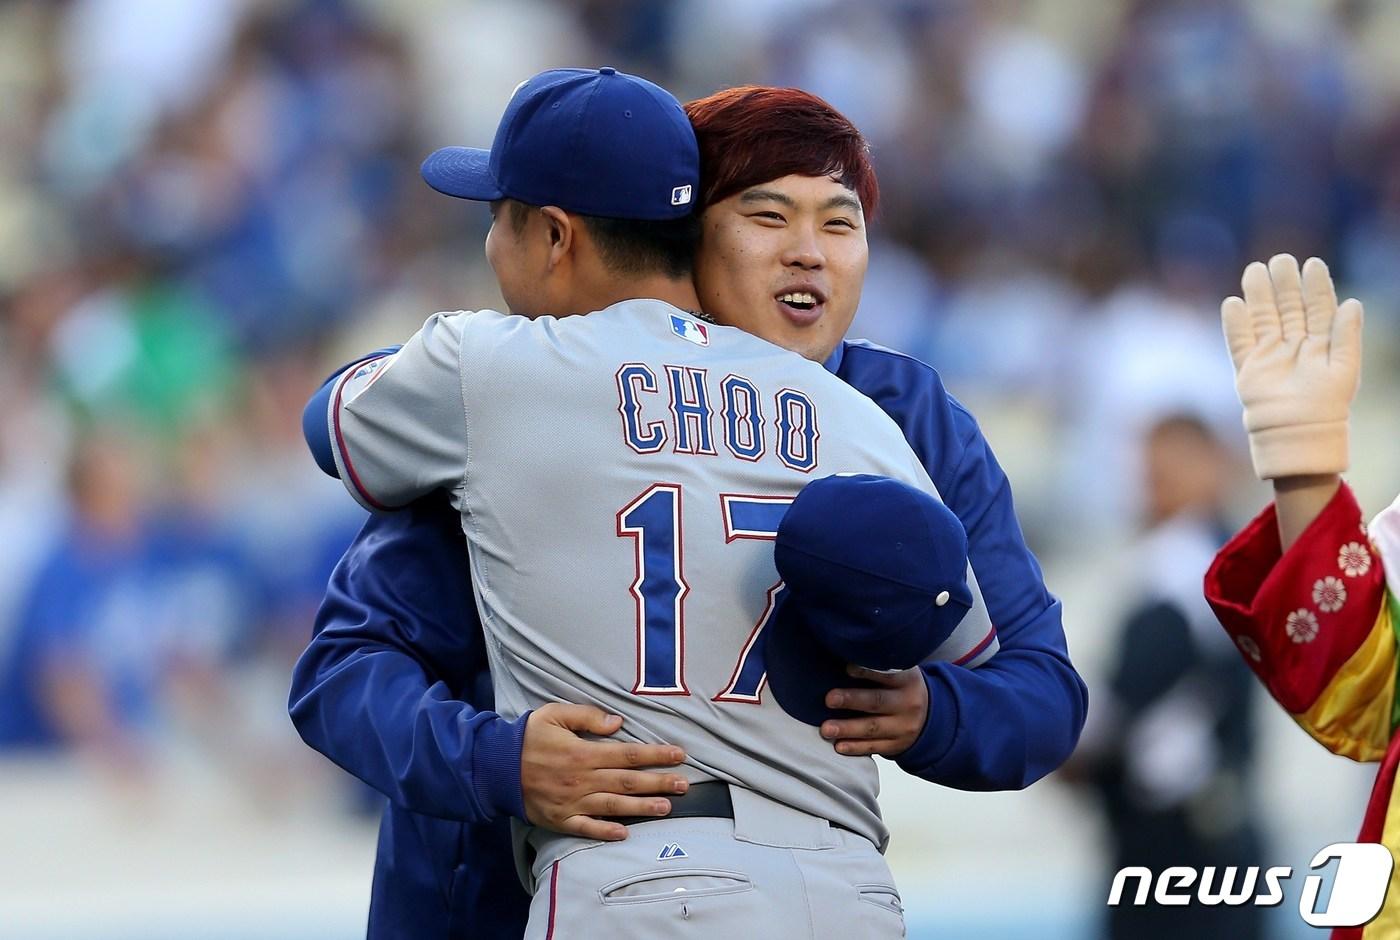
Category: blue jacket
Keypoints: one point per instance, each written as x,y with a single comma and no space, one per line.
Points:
394,685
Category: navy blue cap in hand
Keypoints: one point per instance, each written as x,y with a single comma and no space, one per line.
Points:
601,143
876,576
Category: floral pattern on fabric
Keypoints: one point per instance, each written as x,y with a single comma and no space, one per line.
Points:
1354,560
1329,594
1301,626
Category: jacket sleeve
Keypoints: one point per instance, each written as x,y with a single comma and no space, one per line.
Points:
1315,623
1012,720
386,686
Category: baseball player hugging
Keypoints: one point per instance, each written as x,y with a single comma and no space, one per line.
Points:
620,507
623,479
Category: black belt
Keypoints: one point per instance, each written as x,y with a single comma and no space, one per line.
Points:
710,798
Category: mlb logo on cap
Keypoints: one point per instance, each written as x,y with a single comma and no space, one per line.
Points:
686,328
680,196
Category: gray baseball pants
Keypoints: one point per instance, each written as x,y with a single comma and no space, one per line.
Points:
769,872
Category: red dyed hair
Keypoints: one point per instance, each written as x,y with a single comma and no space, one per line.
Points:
754,134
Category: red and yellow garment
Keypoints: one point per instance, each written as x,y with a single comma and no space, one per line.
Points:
1318,627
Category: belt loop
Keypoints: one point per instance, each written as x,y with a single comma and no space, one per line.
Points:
762,821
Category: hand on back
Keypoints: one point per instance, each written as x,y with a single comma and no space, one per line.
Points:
571,783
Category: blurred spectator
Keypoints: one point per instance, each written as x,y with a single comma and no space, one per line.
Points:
1170,750
70,679
130,601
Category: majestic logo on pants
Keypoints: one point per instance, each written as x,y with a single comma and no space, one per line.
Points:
671,851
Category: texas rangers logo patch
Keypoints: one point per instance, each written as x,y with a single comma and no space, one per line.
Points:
366,375
688,329
368,369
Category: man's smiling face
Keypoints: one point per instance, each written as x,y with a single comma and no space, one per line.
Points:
785,260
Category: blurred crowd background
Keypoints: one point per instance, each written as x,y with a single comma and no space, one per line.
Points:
205,207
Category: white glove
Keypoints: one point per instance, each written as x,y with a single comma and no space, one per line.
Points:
1297,365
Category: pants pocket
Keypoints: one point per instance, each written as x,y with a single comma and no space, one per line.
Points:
884,897
674,883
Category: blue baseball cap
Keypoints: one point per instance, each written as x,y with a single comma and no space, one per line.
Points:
876,576
596,142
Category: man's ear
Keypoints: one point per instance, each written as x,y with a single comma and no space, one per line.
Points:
561,233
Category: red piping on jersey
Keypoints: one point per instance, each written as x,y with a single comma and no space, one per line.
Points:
553,898
977,650
340,438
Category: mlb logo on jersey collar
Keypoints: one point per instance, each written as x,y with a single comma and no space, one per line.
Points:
686,328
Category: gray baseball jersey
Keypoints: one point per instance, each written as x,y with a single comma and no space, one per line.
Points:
620,477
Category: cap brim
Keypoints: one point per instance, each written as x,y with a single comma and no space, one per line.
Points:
800,670
464,172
